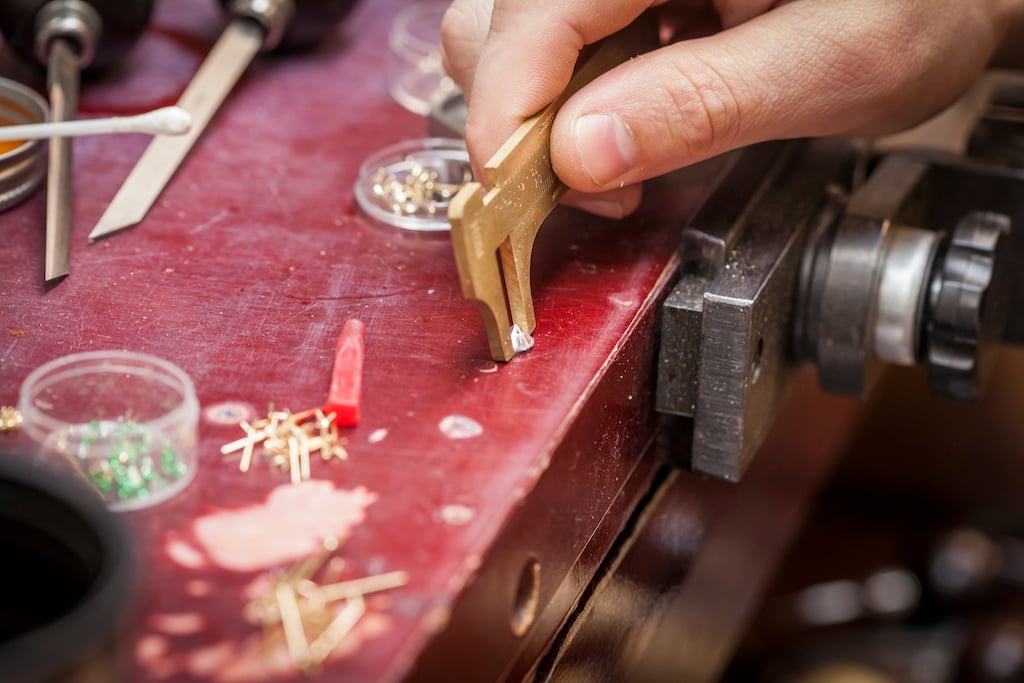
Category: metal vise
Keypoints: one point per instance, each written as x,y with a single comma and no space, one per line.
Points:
790,262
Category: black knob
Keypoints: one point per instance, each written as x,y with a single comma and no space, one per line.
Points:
313,20
121,24
969,299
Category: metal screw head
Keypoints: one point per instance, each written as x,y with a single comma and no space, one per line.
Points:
272,15
73,20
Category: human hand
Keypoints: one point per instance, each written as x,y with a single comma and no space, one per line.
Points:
766,69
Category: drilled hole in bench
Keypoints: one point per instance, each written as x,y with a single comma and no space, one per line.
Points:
524,611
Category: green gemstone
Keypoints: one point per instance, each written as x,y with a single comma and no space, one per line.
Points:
170,464
101,482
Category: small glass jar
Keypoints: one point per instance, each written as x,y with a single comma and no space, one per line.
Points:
125,422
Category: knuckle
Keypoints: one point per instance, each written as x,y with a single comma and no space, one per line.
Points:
464,26
457,24
706,106
463,30
452,24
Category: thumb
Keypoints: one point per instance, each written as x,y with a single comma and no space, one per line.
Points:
806,68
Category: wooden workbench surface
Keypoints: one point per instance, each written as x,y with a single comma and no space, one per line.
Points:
243,275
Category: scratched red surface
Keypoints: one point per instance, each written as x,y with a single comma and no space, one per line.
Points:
244,273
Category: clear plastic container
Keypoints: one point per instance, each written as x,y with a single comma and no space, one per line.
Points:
125,422
417,75
409,185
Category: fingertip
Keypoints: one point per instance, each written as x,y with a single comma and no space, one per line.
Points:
616,204
631,199
603,208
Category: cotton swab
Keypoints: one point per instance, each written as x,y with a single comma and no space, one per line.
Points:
163,121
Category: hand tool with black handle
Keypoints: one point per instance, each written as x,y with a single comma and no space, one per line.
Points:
69,36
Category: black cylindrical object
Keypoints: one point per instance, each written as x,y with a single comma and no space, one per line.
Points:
121,25
68,571
311,22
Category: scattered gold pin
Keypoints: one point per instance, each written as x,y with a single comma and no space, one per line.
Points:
286,440
315,617
10,418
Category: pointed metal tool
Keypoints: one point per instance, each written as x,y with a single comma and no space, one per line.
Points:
66,36
63,83
259,25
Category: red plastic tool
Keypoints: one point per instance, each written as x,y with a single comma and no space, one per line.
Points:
347,376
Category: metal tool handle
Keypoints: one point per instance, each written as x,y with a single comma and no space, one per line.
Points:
309,24
63,84
121,23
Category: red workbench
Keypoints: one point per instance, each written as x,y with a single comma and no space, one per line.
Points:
243,275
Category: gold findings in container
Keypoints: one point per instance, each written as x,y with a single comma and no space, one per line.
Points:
417,190
288,441
408,185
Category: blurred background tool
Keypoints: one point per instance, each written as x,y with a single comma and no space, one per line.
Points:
257,25
68,36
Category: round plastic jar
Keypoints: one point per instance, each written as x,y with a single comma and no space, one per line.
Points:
409,185
125,422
